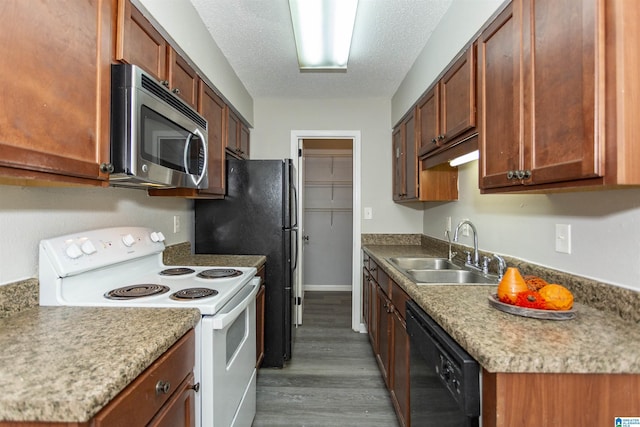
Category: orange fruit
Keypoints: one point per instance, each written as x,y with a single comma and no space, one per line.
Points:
556,297
511,284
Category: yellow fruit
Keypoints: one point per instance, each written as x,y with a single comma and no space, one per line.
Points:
556,297
511,284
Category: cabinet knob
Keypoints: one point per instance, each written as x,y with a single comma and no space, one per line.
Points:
434,140
527,174
176,91
510,174
441,137
196,387
106,167
519,174
165,83
163,387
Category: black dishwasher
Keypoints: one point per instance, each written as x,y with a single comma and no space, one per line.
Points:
445,379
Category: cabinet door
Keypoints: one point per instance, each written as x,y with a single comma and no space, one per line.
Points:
429,121
398,163
410,158
54,114
458,97
244,140
560,39
183,80
500,112
233,133
137,42
384,334
213,109
400,386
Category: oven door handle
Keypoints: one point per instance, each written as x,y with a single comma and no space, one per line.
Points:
236,305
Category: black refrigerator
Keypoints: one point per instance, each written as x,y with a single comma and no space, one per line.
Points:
258,216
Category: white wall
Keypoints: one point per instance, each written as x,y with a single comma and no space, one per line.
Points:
270,139
29,214
457,27
605,227
181,21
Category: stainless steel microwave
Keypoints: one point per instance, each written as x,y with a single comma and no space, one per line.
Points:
157,140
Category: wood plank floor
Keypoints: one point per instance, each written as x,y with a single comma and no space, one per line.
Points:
332,380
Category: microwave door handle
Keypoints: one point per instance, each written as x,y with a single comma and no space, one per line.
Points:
206,156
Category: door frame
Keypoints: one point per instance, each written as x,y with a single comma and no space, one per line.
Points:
356,290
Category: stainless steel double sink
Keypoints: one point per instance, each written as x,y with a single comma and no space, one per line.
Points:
430,271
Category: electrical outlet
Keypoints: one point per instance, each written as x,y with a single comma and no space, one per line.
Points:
176,223
563,238
465,228
447,224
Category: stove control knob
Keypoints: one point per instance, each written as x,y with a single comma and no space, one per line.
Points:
73,251
154,237
88,247
128,240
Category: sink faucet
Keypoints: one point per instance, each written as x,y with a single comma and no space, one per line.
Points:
476,256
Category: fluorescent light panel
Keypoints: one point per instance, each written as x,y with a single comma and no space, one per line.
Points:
465,158
322,31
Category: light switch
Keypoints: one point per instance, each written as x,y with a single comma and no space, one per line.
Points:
563,238
368,213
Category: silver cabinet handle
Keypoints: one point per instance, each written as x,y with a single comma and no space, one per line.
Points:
176,91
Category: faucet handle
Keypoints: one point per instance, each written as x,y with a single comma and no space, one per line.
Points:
485,264
468,256
502,265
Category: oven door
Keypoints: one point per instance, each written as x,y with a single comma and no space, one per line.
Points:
228,361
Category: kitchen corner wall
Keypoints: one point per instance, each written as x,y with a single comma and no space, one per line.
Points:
605,227
275,118
29,214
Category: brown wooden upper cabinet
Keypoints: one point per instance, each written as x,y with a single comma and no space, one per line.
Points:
405,160
139,43
558,95
446,114
54,114
237,141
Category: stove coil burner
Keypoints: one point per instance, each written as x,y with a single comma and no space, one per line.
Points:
177,271
136,291
219,273
193,293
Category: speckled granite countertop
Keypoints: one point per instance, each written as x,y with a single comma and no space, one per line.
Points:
594,342
180,254
66,363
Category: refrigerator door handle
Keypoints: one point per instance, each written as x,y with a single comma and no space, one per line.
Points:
295,205
295,258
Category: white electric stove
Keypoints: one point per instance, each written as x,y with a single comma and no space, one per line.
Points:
122,267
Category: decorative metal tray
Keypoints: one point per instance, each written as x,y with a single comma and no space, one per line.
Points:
531,312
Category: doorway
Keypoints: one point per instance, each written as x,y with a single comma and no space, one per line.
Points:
328,151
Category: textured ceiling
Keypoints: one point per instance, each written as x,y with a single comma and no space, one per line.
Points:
256,36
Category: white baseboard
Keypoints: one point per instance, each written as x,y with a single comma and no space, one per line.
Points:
329,288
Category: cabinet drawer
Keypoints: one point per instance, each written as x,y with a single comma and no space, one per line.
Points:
140,401
399,298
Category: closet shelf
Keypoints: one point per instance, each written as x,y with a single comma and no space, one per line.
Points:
328,209
328,184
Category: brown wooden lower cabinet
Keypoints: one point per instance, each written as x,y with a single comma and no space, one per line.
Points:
385,317
534,400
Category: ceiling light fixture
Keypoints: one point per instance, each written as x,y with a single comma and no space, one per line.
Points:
322,31
466,158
